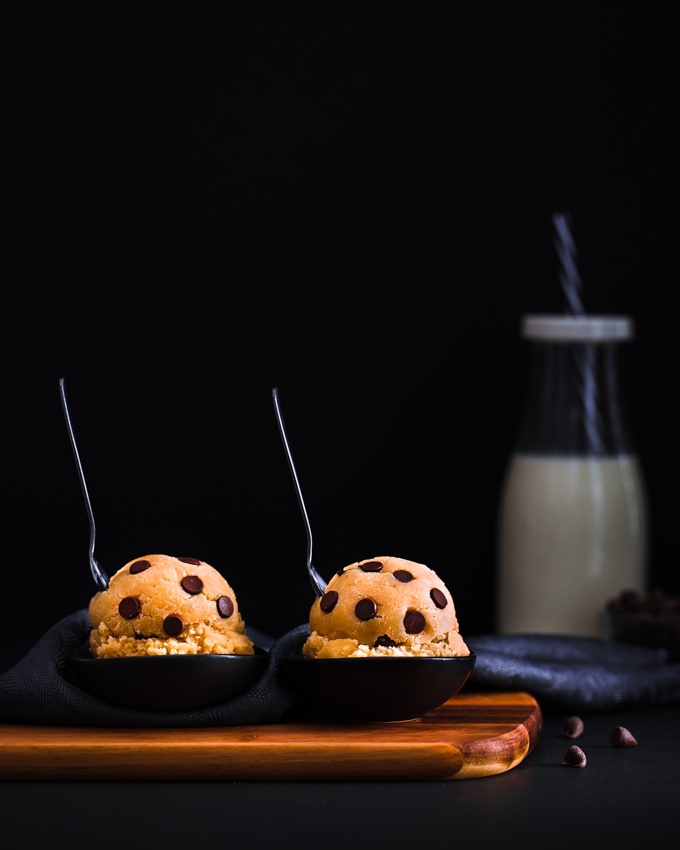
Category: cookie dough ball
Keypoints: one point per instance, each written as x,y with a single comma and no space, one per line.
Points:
158,605
384,607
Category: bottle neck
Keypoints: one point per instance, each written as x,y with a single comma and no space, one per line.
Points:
573,406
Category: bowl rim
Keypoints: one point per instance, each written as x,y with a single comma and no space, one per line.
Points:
81,655
299,657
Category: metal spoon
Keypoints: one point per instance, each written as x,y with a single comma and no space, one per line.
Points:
98,574
318,584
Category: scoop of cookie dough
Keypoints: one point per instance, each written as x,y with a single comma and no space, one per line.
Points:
384,607
158,605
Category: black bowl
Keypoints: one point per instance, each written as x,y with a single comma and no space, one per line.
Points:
377,689
166,682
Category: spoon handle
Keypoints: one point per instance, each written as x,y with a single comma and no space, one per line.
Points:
98,574
318,584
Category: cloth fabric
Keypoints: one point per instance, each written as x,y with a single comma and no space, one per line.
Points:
575,673
38,690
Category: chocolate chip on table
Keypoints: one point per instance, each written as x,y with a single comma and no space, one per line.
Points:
129,607
193,561
403,576
438,598
414,622
575,756
139,566
225,606
173,625
328,601
621,737
384,640
573,727
371,566
366,609
192,584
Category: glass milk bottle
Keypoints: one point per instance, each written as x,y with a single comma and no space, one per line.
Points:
573,515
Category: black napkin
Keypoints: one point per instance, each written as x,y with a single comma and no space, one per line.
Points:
575,673
37,690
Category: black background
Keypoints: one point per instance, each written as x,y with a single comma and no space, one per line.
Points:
350,202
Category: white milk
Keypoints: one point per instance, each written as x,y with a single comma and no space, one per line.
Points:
573,532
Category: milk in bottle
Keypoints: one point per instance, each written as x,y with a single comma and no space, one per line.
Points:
573,515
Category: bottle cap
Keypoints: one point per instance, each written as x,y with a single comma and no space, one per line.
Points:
577,328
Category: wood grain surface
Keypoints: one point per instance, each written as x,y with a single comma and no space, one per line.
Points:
472,735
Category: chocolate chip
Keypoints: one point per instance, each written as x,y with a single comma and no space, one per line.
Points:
139,566
328,601
366,609
129,607
653,602
173,625
621,737
192,584
575,756
193,561
438,598
340,572
573,727
414,622
225,607
384,640
371,566
629,599
403,575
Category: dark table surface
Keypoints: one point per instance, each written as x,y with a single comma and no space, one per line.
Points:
622,795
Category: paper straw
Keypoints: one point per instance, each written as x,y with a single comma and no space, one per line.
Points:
584,355
568,271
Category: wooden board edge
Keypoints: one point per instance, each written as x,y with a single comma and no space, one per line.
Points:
244,762
509,749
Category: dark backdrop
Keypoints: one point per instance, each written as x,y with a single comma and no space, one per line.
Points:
350,202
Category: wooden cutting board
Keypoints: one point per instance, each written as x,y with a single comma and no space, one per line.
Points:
472,735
